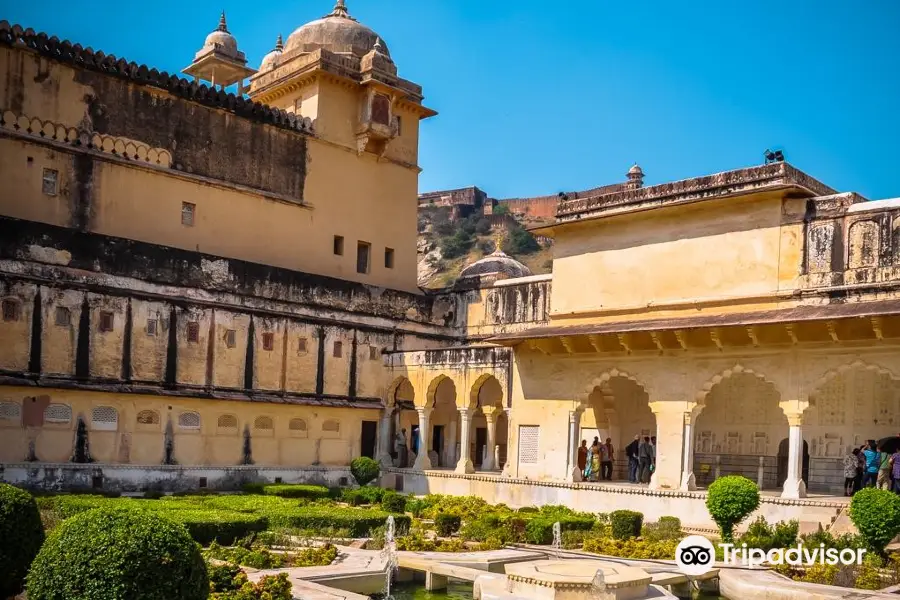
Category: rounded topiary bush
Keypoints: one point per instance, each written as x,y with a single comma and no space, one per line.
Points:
447,524
729,501
876,513
364,470
109,554
393,502
21,536
626,524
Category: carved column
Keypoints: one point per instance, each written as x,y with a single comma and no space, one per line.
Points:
794,486
670,439
572,471
688,481
465,463
422,461
384,437
507,467
490,416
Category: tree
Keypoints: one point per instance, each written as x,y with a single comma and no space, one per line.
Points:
729,501
520,241
876,513
364,470
501,209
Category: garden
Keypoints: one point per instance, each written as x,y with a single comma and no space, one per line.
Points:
69,545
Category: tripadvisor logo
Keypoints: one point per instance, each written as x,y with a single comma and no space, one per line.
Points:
695,555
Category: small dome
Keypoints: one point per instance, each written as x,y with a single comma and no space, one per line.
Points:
221,40
270,60
635,170
337,32
497,263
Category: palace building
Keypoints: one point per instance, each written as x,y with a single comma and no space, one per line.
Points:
201,287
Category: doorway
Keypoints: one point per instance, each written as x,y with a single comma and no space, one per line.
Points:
437,442
368,438
480,444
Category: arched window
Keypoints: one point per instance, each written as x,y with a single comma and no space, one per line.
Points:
189,420
58,413
297,425
227,422
263,424
104,418
148,417
10,413
331,425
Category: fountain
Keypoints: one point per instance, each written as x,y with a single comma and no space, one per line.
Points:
557,539
389,552
598,586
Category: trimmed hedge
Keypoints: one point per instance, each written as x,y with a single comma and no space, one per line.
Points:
310,492
729,501
364,470
540,530
21,536
876,513
626,524
368,494
207,526
446,524
110,554
393,502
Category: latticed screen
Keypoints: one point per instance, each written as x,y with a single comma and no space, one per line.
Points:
58,413
264,423
297,425
528,444
227,422
189,420
10,411
331,425
148,417
104,417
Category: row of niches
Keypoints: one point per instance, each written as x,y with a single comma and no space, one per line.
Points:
871,242
831,444
107,418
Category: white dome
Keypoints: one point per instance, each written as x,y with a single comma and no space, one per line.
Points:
337,32
496,263
270,60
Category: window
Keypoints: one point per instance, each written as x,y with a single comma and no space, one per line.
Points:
63,316
10,411
373,353
339,245
50,182
331,425
193,332
227,422
268,341
338,350
301,346
263,424
187,214
106,321
10,310
381,109
528,444
297,425
399,125
104,418
57,413
152,324
189,420
148,417
388,258
362,257
231,338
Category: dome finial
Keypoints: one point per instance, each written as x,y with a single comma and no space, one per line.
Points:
279,44
378,47
222,25
340,10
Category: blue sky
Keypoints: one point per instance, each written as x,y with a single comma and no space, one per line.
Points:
537,97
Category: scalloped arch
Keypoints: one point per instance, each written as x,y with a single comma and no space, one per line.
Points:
605,378
476,389
391,399
844,368
432,389
727,373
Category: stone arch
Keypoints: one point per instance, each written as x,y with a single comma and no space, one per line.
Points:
444,434
400,389
486,391
604,379
741,422
432,390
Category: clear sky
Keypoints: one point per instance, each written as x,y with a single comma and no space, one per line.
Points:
536,97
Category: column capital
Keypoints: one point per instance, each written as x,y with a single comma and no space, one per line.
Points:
465,413
424,410
794,411
574,416
491,413
673,406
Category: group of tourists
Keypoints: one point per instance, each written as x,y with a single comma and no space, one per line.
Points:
872,465
596,462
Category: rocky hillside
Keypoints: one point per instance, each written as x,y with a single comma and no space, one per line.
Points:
446,246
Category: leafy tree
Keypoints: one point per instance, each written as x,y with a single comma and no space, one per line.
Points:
501,209
519,241
364,470
876,513
729,501
483,226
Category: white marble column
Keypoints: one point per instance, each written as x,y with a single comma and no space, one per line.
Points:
794,487
507,466
384,438
670,435
465,463
688,481
422,460
572,471
490,416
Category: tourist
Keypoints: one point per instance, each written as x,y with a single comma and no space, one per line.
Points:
884,470
400,448
604,460
610,457
870,477
653,457
582,457
860,468
895,462
645,460
631,451
851,463
595,460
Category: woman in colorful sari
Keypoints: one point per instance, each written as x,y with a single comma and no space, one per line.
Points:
595,461
587,468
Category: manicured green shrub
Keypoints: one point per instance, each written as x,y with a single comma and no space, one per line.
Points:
447,524
367,494
467,507
269,587
765,537
625,524
153,495
207,526
393,502
539,530
416,506
729,501
364,470
358,522
667,528
528,509
112,554
221,577
311,492
876,514
631,548
253,488
21,536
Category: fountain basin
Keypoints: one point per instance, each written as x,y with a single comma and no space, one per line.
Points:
573,580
